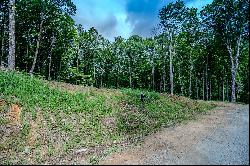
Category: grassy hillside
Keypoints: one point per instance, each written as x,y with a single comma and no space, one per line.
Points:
66,124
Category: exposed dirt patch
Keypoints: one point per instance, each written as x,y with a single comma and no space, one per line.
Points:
67,87
109,123
14,114
81,88
2,102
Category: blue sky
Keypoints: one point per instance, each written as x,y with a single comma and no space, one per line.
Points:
124,18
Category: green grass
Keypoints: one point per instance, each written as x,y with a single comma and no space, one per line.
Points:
67,120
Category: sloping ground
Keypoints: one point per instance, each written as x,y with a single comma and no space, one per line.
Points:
45,122
218,138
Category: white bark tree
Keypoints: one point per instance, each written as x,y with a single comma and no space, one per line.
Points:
12,45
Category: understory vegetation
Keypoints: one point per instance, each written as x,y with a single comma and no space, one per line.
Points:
58,119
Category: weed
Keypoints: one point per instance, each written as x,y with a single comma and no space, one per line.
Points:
84,117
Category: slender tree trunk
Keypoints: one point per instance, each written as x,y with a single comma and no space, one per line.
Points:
101,80
210,89
27,55
117,84
130,77
153,77
117,81
94,75
236,90
190,84
218,84
181,82
2,52
2,42
203,86
160,85
197,89
171,71
234,66
223,86
164,77
223,96
50,56
60,67
206,80
227,88
77,59
12,45
190,79
233,97
37,45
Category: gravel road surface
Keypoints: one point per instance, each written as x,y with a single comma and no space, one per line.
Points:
220,137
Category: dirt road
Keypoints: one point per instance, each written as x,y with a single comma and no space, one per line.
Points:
220,137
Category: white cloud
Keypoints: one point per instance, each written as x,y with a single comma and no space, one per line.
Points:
124,28
97,13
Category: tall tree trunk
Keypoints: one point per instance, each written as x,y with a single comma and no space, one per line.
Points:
190,84
233,97
236,90
153,70
27,55
50,56
37,45
130,77
203,85
60,69
94,74
210,89
223,96
12,45
153,74
164,77
181,82
77,59
2,42
160,84
223,86
117,84
101,80
117,81
227,88
190,78
218,84
171,71
234,65
197,89
2,52
153,77
207,80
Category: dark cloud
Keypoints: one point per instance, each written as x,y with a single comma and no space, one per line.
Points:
108,26
143,15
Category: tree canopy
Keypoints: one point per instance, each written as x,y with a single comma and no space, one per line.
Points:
203,55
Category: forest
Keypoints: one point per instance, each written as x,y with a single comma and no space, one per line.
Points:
202,55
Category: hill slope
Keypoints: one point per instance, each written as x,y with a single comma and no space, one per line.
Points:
45,122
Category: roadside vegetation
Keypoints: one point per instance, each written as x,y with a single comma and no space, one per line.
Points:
61,123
